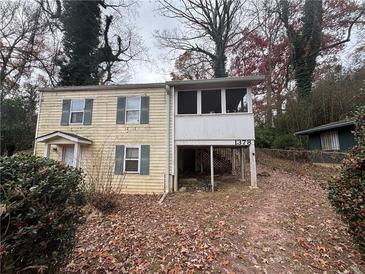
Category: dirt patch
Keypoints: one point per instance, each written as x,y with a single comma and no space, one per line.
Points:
287,225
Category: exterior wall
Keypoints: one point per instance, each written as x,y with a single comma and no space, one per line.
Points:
213,129
98,159
314,141
210,127
346,138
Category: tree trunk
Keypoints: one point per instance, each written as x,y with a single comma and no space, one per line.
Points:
304,77
219,62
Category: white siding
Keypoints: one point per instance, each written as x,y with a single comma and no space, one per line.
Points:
214,127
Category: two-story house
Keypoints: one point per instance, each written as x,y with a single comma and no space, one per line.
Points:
135,134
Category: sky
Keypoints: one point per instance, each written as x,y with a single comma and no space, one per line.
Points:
161,60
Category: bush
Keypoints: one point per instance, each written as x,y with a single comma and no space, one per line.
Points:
264,137
287,141
105,202
347,193
41,202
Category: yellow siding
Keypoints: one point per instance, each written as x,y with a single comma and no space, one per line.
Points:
98,158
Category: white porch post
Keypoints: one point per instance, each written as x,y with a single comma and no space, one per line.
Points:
242,163
201,160
47,150
211,168
176,184
253,165
233,161
77,155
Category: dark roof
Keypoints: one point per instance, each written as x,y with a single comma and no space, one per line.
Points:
106,87
338,124
223,82
205,83
66,133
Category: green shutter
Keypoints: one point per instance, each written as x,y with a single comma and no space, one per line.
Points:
145,109
119,159
121,110
145,160
65,117
88,111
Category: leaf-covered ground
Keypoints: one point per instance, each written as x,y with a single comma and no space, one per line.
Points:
286,226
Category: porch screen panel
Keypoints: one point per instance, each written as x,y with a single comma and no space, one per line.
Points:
187,102
211,101
236,100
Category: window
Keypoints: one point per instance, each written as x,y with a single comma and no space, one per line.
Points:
133,108
186,102
211,101
77,111
329,141
131,159
236,100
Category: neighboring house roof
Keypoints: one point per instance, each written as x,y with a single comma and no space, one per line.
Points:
69,136
338,124
208,83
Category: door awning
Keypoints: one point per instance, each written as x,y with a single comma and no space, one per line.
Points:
61,137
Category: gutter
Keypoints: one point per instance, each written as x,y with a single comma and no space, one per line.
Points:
167,168
37,126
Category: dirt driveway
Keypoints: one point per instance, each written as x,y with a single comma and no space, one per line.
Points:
286,226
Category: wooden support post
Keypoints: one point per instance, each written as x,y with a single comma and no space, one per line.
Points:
253,165
76,158
47,150
176,185
242,154
211,168
201,161
233,161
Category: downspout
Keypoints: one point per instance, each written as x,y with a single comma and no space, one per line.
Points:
167,168
37,126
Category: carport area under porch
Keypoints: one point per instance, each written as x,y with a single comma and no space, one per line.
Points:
231,165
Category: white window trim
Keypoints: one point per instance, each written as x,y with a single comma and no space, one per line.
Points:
126,110
125,158
83,113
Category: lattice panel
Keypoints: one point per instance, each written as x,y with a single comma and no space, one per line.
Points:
222,160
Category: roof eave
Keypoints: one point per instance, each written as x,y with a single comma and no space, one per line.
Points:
230,81
104,87
324,128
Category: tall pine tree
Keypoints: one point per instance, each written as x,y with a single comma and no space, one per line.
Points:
81,22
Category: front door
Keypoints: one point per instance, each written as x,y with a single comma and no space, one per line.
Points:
68,155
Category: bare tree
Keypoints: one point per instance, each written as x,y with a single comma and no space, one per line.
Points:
192,66
24,44
212,28
115,54
119,42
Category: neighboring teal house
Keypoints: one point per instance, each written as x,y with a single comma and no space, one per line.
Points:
336,136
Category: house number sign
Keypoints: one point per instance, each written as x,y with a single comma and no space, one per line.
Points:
242,142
